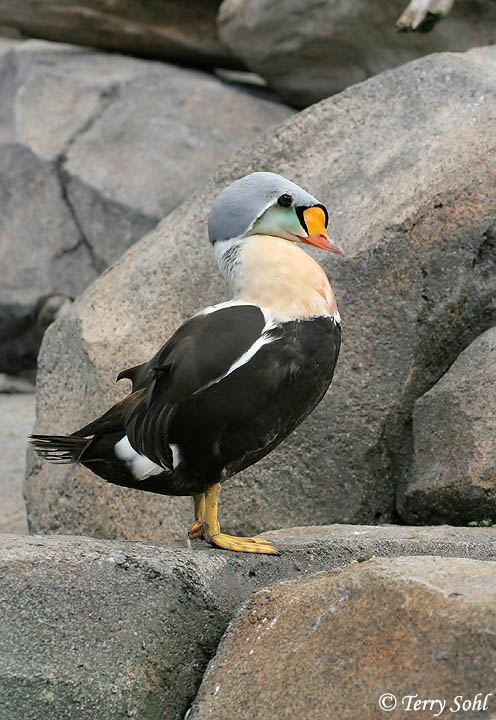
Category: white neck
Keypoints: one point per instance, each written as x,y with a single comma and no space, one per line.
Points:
277,275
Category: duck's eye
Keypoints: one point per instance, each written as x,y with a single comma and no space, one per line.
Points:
285,200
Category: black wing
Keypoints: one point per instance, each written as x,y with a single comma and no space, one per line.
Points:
235,422
202,349
199,353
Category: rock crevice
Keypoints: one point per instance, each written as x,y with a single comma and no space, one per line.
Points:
96,263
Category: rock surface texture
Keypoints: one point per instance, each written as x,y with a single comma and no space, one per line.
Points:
411,199
16,422
453,474
178,30
334,644
108,629
309,50
95,149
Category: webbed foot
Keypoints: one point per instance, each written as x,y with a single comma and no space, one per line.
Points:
241,544
207,526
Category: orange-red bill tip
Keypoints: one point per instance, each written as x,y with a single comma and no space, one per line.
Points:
316,223
323,241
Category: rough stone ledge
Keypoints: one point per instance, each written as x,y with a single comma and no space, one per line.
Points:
126,629
386,540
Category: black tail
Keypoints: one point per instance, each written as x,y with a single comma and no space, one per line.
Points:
107,429
60,448
97,453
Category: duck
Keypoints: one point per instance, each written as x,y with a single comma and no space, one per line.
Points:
236,378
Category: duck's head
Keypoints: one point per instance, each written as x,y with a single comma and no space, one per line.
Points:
255,226
264,203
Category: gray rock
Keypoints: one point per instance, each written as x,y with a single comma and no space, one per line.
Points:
95,149
339,545
21,332
41,251
14,384
411,200
403,629
16,422
309,50
107,629
152,144
453,474
178,30
8,36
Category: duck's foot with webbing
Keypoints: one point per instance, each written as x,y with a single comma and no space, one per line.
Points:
206,525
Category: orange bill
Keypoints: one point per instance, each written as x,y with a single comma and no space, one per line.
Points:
315,220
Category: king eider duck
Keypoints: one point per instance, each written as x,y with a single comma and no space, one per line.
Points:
236,378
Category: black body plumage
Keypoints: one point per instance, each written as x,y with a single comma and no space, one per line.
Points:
222,411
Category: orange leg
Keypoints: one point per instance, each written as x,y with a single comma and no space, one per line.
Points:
212,533
196,530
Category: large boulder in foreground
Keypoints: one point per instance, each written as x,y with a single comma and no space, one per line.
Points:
177,30
94,150
371,638
453,474
102,629
309,49
411,199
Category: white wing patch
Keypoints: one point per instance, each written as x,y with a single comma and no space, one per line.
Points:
141,466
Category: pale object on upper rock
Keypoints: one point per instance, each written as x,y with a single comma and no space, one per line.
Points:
418,11
308,49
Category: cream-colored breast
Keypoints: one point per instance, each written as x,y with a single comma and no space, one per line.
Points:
282,278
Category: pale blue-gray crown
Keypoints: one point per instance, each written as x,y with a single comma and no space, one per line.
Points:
240,204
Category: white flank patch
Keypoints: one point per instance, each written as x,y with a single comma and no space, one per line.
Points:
176,455
141,466
337,317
